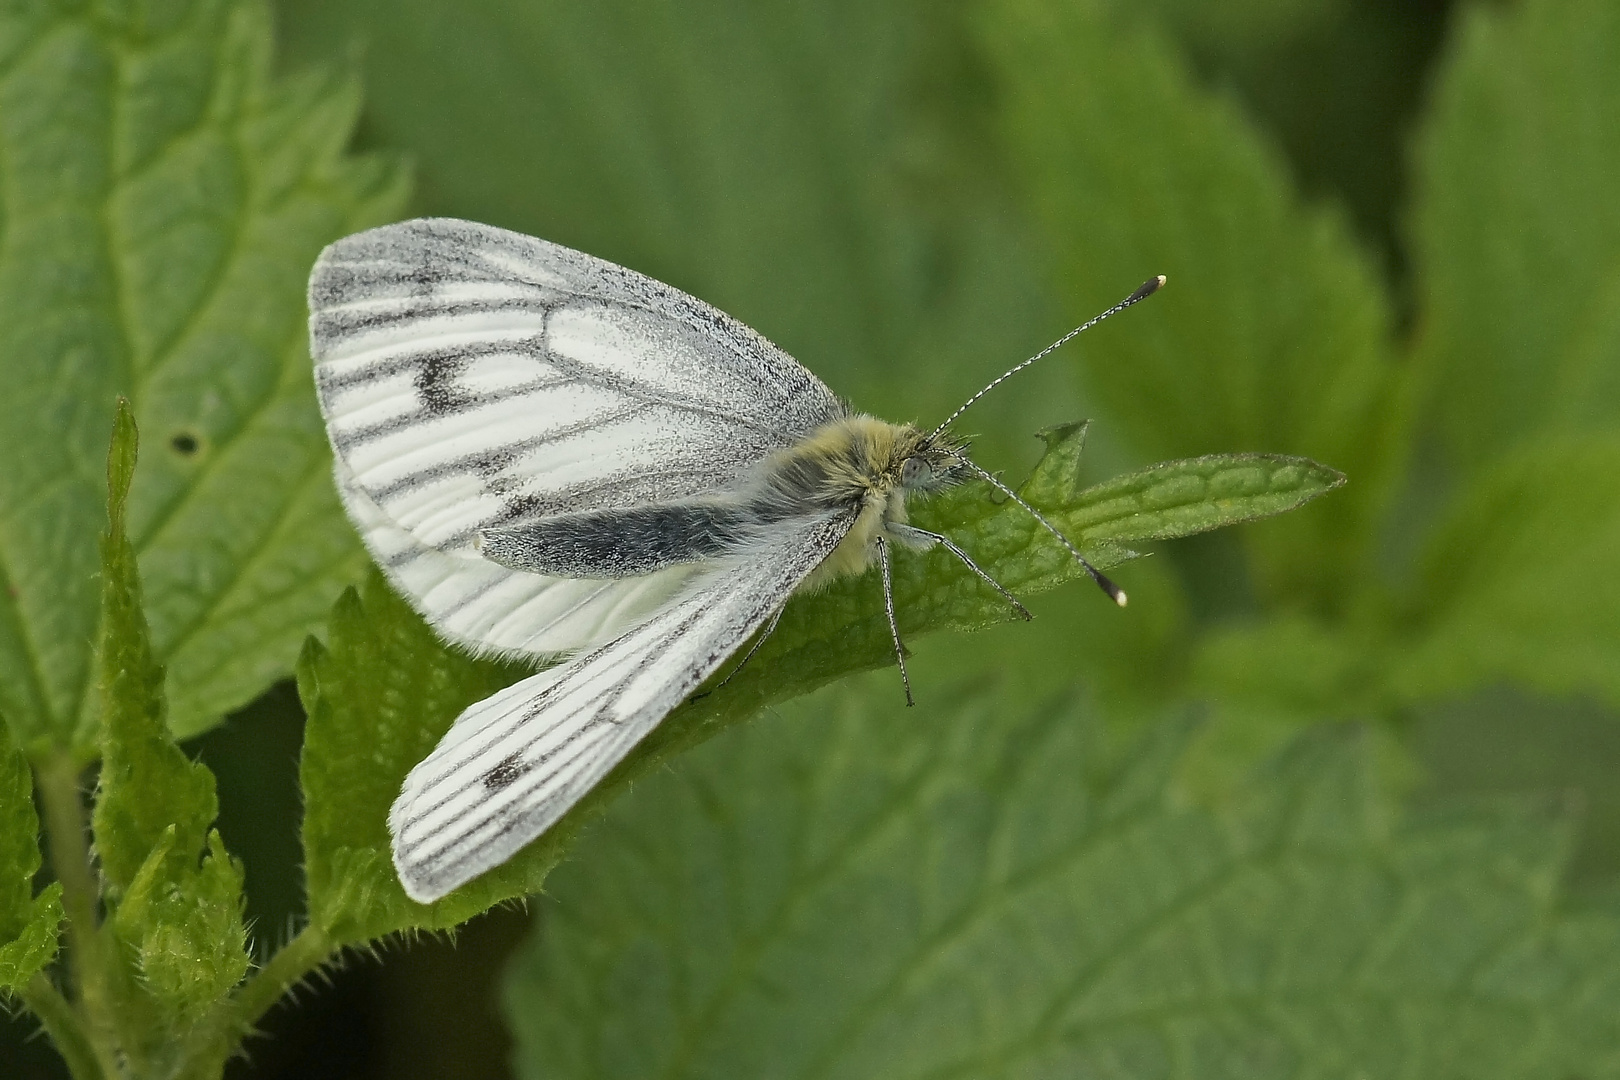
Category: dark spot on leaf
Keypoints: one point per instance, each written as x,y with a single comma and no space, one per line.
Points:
185,443
503,774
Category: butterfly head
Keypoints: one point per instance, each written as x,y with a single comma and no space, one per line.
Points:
937,461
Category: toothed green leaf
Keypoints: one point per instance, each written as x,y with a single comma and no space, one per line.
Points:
377,696
384,690
164,198
181,922
850,890
27,951
174,895
1271,334
148,786
28,923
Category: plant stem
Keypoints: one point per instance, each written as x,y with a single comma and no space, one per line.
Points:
218,1034
288,967
64,1026
65,826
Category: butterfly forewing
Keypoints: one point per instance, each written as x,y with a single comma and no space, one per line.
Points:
472,377
514,763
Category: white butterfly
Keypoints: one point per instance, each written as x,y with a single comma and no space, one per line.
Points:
548,453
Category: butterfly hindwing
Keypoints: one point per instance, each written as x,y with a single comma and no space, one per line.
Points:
513,764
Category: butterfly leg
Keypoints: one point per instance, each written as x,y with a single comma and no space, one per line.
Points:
922,538
770,628
888,606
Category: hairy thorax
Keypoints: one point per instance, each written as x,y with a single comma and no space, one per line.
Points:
858,463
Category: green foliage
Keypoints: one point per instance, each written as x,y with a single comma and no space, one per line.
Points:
378,696
1272,334
908,197
1516,531
183,924
28,923
1516,229
1523,578
851,890
164,199
174,894
383,690
1333,82
151,795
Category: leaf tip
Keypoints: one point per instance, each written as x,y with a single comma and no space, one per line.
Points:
121,455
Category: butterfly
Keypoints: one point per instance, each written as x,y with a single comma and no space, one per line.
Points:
550,454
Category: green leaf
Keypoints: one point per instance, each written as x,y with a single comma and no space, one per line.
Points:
1272,334
1183,498
174,895
1265,681
26,952
377,697
854,891
384,690
1517,231
185,930
1165,501
1336,82
28,923
163,202
150,793
1522,581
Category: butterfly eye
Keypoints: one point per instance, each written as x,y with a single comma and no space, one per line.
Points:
915,472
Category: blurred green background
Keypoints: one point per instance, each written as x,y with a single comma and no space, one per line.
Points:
1392,244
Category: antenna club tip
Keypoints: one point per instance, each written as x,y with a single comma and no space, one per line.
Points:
1147,289
1106,584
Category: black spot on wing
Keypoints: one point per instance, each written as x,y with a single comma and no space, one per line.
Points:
506,772
436,386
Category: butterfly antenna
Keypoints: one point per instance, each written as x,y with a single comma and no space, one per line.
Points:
1148,288
1115,593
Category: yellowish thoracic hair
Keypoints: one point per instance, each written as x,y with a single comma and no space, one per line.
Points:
862,463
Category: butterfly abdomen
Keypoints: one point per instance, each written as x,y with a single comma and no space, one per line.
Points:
617,543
